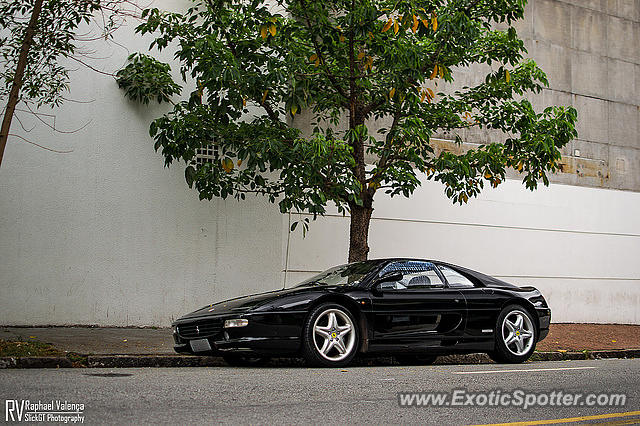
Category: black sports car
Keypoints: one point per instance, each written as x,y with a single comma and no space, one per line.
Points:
412,309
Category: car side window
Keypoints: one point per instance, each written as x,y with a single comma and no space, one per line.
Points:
415,275
454,278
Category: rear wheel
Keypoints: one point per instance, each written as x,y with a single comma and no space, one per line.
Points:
515,335
415,359
244,360
330,336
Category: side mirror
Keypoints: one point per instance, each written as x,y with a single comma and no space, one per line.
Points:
390,277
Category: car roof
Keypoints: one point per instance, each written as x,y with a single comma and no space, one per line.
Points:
484,278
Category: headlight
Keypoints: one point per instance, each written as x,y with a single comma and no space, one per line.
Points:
240,322
174,329
539,302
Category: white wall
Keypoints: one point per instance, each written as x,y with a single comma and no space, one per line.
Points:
106,235
579,246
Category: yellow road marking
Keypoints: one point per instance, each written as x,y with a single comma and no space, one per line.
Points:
568,419
522,370
618,422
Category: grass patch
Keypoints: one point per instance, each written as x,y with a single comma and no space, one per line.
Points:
30,348
78,360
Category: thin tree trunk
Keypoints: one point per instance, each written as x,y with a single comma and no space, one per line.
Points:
360,214
359,232
18,77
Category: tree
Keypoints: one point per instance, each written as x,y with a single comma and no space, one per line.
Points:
36,36
346,63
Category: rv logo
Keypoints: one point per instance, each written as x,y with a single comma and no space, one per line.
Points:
43,411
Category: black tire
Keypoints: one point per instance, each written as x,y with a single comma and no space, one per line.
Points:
408,359
311,341
510,354
244,360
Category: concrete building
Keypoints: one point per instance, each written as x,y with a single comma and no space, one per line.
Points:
106,235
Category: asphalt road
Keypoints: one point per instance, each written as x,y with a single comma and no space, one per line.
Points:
334,396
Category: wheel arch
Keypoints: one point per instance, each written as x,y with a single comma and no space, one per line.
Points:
354,309
525,304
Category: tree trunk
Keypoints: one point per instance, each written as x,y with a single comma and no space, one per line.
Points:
18,77
360,214
359,232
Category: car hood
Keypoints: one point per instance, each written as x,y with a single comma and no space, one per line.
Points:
243,304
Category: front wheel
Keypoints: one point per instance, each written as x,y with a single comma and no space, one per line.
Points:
330,336
515,335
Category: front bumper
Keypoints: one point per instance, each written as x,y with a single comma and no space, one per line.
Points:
250,345
544,319
266,334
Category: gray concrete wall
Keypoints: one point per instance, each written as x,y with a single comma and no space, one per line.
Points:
590,50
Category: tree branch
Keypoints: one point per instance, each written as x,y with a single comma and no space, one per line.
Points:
318,51
14,95
41,146
386,150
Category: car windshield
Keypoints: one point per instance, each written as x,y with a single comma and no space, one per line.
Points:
350,274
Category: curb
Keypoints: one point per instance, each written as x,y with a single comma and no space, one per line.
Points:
128,361
137,361
35,362
586,354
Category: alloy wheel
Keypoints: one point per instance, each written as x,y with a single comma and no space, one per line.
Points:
518,332
334,335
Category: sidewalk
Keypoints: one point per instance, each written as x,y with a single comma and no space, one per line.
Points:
580,337
147,347
97,340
